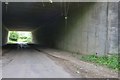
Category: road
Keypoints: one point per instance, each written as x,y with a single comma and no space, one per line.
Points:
29,63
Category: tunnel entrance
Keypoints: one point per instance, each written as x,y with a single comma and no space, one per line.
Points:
85,28
19,37
58,33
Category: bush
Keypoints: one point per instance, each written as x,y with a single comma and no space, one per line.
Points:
13,36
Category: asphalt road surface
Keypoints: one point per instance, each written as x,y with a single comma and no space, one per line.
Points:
29,63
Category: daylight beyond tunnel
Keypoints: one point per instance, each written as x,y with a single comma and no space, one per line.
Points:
85,28
19,37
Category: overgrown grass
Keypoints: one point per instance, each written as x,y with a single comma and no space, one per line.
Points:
110,61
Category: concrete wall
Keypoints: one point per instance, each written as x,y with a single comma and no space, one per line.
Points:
47,34
4,35
37,36
0,24
92,30
42,36
113,27
119,27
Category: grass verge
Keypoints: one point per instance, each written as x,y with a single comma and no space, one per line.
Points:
111,61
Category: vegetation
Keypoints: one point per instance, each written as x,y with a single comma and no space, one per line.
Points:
19,36
13,36
110,61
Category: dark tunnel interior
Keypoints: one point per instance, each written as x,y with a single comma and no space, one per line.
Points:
82,27
45,20
23,16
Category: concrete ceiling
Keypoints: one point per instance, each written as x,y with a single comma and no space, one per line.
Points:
31,15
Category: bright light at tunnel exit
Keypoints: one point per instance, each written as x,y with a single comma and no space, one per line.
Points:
19,37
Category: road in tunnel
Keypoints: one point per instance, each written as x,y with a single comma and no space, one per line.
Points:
29,63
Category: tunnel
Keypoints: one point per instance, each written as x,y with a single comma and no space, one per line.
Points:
79,27
48,39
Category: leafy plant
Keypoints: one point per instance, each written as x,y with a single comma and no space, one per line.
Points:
13,36
110,61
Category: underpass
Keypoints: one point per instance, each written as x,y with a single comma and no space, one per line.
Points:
83,28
